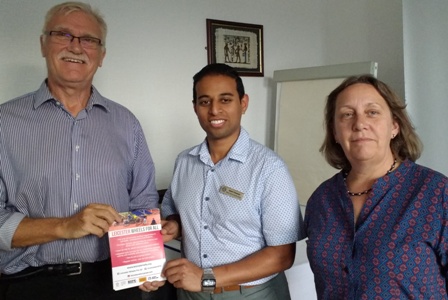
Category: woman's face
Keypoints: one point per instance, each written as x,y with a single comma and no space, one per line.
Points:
363,124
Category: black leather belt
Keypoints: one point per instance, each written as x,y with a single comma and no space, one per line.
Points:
67,269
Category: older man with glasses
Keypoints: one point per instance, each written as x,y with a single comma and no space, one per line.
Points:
70,160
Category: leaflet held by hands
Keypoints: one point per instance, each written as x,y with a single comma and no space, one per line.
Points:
136,249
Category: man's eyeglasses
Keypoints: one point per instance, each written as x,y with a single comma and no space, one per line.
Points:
65,38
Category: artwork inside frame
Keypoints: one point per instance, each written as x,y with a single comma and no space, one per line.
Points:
239,45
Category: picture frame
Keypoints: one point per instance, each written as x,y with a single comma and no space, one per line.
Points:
239,45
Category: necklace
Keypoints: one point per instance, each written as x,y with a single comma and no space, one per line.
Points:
368,190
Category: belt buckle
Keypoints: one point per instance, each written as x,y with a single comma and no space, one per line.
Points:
79,266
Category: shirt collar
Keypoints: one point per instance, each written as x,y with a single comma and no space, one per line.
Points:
238,152
43,95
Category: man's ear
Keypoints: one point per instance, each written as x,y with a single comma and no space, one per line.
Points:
194,106
103,54
42,45
244,103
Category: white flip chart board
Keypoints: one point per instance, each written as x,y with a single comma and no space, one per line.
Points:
299,121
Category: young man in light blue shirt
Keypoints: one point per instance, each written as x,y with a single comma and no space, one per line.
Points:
233,202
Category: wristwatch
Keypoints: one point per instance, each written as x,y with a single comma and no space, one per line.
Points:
208,281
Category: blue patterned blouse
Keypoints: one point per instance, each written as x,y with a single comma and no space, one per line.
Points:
397,250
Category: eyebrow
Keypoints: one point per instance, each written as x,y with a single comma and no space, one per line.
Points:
368,105
221,95
65,29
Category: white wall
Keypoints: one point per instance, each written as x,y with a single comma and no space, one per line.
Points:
426,76
154,47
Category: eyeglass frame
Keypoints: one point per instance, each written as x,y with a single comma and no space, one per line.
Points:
70,37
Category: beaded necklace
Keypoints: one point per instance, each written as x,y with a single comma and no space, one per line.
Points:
367,191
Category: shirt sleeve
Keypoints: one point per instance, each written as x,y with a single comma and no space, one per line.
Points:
143,192
168,207
281,216
9,220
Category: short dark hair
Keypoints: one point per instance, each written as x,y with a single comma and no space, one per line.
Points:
406,144
219,69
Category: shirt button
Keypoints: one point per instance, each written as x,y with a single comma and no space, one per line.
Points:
207,198
205,256
77,148
205,227
77,176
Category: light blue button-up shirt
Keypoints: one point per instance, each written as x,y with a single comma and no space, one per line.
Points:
234,208
53,165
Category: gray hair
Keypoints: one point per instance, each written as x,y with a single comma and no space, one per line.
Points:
69,7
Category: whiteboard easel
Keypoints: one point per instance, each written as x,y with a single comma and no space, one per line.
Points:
299,120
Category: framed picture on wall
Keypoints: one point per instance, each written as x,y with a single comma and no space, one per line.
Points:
239,45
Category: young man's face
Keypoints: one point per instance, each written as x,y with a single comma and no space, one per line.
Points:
219,108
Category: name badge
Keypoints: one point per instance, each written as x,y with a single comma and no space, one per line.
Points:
231,192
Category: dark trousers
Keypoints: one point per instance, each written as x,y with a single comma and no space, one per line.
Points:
166,292
94,283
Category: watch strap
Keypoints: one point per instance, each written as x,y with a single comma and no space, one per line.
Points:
208,281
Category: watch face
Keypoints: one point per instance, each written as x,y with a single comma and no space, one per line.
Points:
208,283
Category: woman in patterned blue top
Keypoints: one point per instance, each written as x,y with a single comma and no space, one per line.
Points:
379,228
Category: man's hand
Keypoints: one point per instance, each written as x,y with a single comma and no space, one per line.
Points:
183,274
151,286
170,230
93,219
